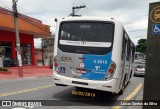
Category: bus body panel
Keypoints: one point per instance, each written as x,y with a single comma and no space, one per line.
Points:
99,85
95,66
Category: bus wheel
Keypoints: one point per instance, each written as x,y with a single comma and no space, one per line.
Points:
123,86
130,75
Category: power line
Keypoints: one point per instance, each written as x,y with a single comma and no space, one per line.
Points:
78,2
89,10
81,2
6,6
31,22
137,18
43,10
131,9
113,8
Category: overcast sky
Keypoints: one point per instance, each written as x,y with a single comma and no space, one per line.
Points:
132,13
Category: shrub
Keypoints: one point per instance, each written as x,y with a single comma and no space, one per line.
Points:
4,69
0,68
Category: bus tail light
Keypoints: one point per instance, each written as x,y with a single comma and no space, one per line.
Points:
55,62
55,65
111,71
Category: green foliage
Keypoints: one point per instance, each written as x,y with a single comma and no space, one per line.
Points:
2,50
3,69
141,47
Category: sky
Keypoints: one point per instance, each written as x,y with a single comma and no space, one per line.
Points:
132,13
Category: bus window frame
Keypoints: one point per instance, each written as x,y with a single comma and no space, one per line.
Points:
87,21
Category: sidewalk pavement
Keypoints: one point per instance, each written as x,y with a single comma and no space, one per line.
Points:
28,71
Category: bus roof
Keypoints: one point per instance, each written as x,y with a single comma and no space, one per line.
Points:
90,18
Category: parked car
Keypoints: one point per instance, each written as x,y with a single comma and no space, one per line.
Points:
143,61
139,69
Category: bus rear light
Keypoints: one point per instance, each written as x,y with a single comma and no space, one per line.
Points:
55,65
111,71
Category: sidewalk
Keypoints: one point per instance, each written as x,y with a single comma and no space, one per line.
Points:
28,71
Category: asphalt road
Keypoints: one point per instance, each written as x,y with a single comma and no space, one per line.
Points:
43,89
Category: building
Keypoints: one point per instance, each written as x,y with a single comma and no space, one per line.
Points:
47,50
38,57
29,28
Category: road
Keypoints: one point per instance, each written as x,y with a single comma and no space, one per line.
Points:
42,88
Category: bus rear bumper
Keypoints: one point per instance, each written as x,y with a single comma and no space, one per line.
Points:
109,85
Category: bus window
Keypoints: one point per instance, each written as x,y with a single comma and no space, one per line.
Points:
91,36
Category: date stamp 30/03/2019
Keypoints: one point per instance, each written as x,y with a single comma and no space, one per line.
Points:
80,93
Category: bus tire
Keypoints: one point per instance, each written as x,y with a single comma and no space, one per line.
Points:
130,75
123,86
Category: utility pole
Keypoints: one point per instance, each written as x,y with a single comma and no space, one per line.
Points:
75,9
18,48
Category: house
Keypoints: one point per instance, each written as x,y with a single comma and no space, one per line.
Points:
29,28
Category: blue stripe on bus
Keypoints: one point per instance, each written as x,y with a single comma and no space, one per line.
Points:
97,66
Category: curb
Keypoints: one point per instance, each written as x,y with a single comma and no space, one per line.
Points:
26,67
18,78
6,72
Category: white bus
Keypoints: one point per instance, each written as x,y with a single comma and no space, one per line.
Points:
92,52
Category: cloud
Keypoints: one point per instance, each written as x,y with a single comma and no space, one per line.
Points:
132,13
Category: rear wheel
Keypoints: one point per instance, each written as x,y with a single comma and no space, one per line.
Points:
130,75
123,86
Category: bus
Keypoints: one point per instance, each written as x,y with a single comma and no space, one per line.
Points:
94,53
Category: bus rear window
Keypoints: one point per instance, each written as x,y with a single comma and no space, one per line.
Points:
86,35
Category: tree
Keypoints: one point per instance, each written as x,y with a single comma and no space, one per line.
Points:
141,47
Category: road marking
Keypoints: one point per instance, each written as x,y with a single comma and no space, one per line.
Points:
25,90
129,97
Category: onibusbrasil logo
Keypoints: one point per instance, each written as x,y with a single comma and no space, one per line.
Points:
155,14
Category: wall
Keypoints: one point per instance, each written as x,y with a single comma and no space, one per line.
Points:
7,36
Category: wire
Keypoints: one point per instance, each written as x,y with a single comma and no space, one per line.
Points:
31,22
88,8
137,18
7,7
80,2
91,11
118,5
77,2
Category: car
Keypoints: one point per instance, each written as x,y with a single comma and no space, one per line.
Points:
143,61
139,70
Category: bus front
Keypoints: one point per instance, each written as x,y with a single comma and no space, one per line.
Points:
83,54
